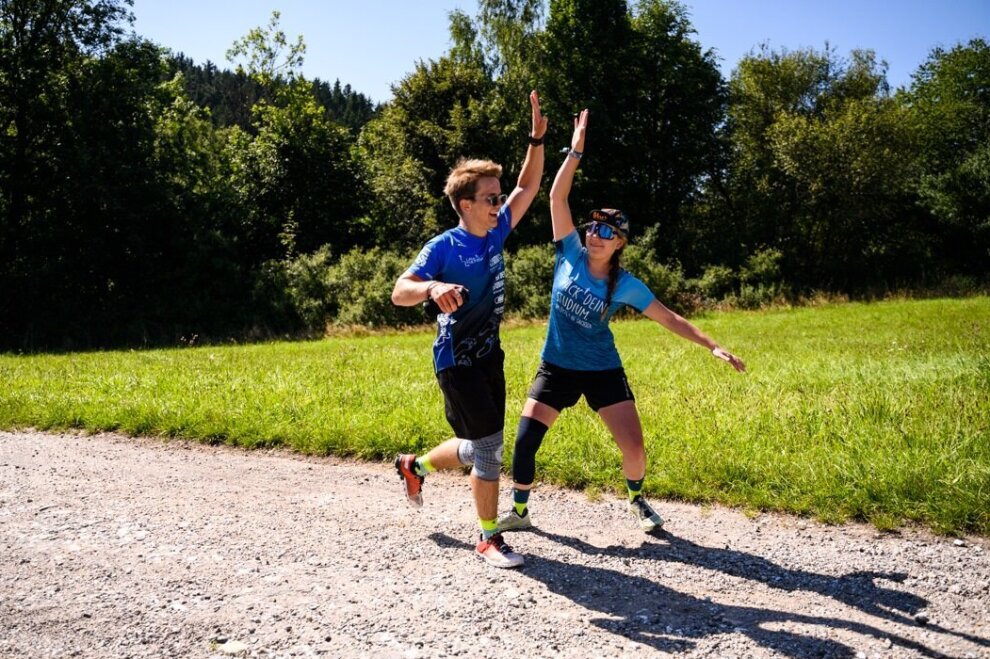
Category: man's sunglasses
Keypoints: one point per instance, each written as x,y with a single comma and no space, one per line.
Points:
602,230
494,199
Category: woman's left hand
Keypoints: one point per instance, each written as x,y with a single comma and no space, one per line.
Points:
727,356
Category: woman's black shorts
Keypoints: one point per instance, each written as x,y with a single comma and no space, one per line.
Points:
561,388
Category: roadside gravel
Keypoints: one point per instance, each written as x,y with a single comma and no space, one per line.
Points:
133,547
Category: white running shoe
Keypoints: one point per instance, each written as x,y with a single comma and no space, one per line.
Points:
497,553
513,521
648,518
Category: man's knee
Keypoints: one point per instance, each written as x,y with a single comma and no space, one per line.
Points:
488,456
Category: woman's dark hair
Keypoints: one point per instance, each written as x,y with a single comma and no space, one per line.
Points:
613,278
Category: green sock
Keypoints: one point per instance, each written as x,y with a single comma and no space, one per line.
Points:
520,501
635,487
488,527
422,466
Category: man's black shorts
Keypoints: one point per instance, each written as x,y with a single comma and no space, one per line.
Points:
561,388
474,397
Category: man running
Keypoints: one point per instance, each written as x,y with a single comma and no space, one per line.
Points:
462,271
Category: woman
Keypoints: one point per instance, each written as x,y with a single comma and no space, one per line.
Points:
579,356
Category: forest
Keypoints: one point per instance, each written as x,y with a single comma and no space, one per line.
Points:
147,199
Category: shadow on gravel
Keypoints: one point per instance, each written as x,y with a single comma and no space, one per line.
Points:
856,589
646,612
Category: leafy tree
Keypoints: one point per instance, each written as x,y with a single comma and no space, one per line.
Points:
821,169
852,172
437,115
680,100
589,62
950,96
44,47
297,178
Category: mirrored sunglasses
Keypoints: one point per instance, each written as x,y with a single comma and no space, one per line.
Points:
602,230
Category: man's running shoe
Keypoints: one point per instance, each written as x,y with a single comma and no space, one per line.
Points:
412,481
497,553
513,521
648,518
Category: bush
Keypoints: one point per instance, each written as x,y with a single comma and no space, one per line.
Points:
529,278
717,282
755,296
360,285
666,281
762,267
356,290
306,286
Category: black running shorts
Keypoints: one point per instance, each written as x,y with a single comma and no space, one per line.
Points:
474,397
561,388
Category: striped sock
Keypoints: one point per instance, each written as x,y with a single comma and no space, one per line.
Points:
422,466
635,487
520,499
489,527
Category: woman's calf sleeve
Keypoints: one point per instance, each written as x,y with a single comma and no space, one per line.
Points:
529,436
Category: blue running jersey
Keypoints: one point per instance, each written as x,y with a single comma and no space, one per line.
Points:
578,337
457,257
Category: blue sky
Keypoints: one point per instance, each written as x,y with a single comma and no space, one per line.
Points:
372,44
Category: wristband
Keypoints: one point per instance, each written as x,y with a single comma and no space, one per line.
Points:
535,141
430,288
575,154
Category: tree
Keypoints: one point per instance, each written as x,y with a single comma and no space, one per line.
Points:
44,48
298,177
679,103
950,97
852,173
438,114
822,160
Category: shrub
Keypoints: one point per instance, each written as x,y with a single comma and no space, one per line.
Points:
529,278
360,286
762,267
305,283
715,283
356,290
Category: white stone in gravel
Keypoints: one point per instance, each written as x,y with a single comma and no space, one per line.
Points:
959,543
233,647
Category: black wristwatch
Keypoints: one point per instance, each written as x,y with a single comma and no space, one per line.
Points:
535,141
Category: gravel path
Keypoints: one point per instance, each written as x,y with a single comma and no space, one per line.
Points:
116,547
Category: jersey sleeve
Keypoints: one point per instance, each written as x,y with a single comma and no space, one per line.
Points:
429,262
569,248
634,293
504,226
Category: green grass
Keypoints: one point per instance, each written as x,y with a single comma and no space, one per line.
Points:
869,411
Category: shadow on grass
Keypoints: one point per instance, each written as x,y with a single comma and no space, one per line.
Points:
655,615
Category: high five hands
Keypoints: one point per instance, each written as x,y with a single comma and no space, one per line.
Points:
580,127
539,121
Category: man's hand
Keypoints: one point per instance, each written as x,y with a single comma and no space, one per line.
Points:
539,121
448,297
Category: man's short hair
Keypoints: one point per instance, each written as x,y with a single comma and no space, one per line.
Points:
462,182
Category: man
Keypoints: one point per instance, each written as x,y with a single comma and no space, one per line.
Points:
462,271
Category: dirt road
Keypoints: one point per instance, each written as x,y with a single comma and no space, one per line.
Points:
116,547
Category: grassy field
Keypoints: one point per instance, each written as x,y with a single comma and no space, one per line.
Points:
871,411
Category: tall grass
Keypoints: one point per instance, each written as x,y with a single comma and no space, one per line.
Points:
870,411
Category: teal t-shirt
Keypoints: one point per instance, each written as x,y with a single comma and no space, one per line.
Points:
578,337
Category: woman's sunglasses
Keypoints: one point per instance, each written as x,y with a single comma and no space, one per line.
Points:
602,230
495,199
